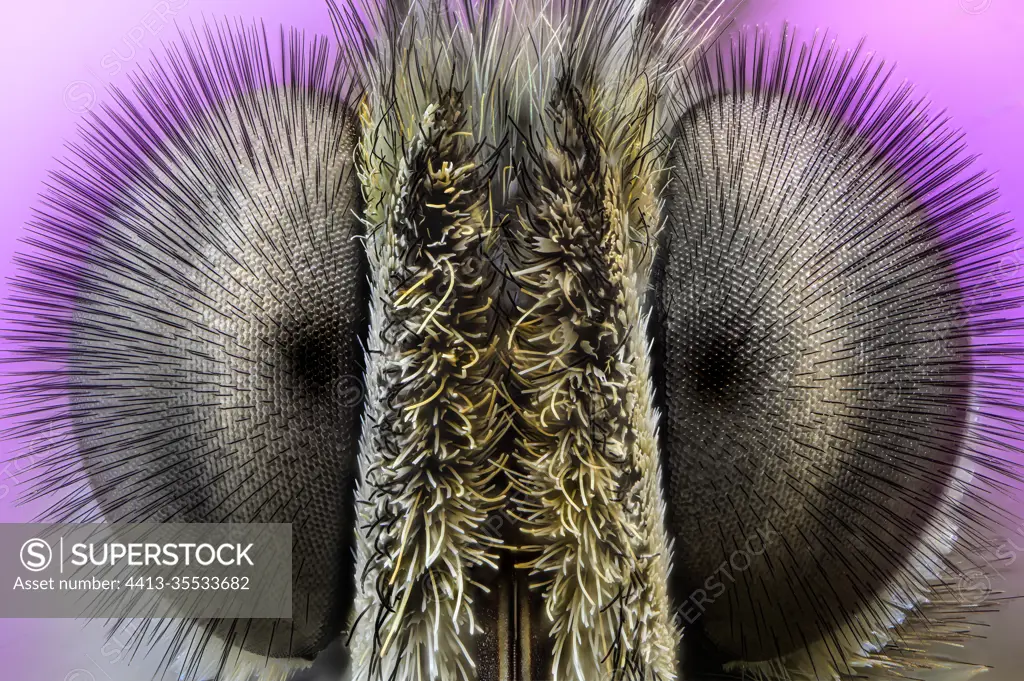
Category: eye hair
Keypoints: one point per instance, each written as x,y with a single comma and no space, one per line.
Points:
940,246
144,241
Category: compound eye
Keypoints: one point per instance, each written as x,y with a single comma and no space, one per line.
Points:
200,294
824,283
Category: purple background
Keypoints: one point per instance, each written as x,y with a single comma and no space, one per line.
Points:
967,56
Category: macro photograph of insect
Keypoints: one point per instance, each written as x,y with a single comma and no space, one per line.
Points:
560,340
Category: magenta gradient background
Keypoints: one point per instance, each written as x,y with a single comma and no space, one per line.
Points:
967,56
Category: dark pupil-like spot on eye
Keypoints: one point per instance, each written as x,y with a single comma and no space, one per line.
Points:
315,355
722,363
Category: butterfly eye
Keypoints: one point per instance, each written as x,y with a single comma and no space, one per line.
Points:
198,294
825,308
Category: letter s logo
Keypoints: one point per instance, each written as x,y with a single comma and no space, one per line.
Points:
36,555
